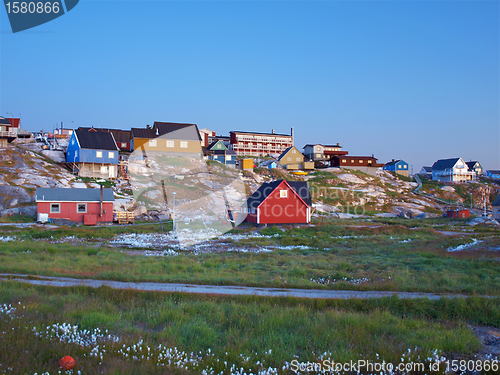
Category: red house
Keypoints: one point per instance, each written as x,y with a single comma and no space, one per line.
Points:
87,206
280,202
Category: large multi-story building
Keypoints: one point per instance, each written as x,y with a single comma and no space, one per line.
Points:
259,144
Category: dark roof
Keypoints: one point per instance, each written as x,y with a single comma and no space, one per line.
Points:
427,169
223,152
178,131
319,144
95,140
285,152
496,202
394,162
355,157
4,121
143,133
492,171
73,195
300,187
120,135
281,135
443,164
471,164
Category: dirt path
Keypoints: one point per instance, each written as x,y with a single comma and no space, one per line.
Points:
218,289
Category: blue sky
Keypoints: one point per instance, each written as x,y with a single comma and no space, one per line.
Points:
412,80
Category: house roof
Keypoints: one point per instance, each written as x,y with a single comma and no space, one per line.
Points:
496,202
14,121
443,164
73,195
427,169
4,121
285,152
95,140
188,132
355,157
394,162
300,187
492,171
120,135
223,152
268,134
211,145
471,164
143,133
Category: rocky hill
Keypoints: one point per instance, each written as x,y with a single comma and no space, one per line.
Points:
336,192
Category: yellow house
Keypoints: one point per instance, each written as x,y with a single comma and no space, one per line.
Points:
291,158
167,137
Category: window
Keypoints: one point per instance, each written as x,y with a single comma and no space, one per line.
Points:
228,157
318,148
361,162
297,158
81,208
76,153
184,144
283,193
124,144
104,169
399,167
288,158
352,161
293,151
344,161
73,141
152,143
170,144
405,166
55,208
98,154
111,155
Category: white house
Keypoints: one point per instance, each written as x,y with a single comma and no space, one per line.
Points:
451,170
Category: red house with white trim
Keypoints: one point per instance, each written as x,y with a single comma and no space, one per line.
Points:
280,202
87,206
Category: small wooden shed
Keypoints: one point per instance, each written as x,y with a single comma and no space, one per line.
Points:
280,202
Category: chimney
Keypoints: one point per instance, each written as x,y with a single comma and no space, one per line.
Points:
291,133
148,126
157,132
392,159
274,132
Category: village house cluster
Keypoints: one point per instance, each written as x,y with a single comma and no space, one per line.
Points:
104,153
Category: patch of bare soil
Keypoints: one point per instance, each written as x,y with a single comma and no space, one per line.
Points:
490,341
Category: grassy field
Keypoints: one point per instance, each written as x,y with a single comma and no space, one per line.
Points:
385,254
127,332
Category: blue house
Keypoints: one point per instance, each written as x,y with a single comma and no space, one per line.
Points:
398,166
93,154
493,174
218,151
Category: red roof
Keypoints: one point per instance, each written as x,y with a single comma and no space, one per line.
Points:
14,122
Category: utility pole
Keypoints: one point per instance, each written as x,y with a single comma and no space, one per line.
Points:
173,214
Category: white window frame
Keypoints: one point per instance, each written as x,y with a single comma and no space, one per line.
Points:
78,208
98,154
283,193
170,143
53,205
152,143
184,144
111,155
124,144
